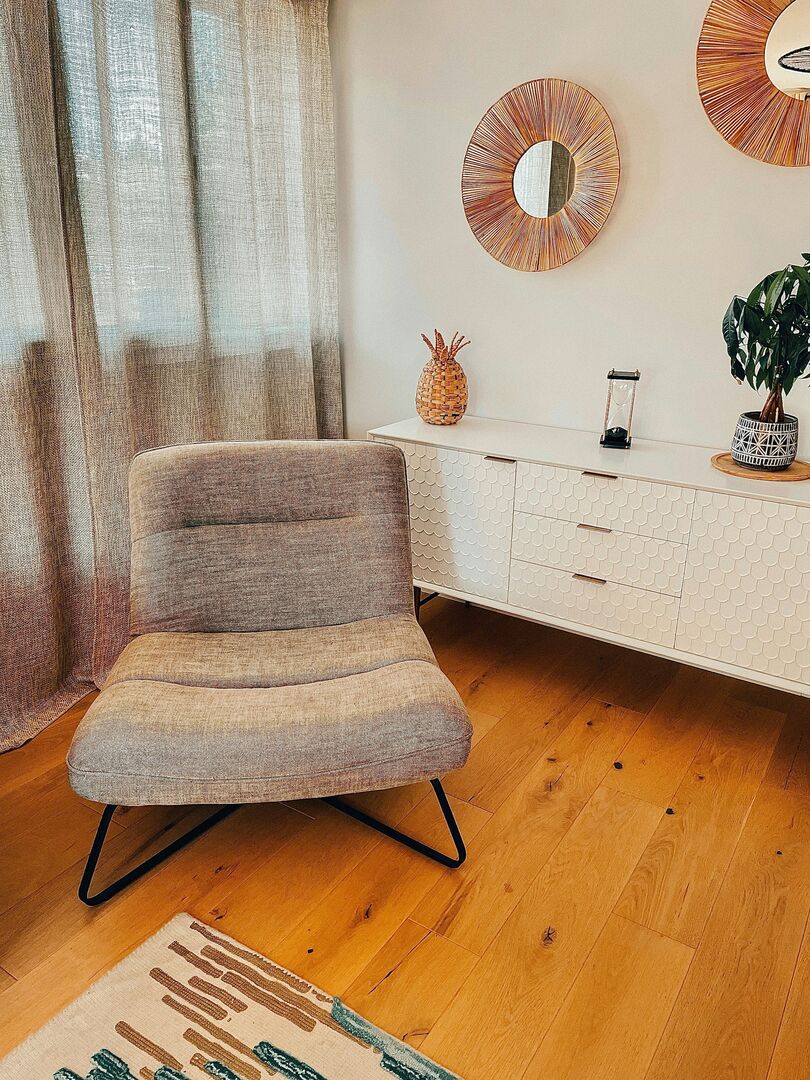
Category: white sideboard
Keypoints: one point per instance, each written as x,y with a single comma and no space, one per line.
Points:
649,547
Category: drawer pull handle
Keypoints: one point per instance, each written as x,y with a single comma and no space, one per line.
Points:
594,528
587,577
494,457
603,475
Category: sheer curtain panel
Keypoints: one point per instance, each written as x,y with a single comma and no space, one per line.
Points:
168,275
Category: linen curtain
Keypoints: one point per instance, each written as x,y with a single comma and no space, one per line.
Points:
167,274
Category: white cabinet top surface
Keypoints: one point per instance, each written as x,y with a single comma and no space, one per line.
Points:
647,459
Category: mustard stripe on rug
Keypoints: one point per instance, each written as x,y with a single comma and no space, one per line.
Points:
192,1003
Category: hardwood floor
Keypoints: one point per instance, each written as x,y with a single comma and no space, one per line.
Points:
634,906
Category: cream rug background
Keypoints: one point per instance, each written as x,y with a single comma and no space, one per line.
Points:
191,1003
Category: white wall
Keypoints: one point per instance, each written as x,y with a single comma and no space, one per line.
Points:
694,222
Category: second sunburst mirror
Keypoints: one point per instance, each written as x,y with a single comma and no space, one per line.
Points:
753,71
540,174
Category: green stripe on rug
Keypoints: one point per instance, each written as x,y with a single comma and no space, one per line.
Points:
109,1067
398,1058
220,1071
286,1064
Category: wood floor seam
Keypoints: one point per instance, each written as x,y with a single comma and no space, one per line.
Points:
653,929
444,937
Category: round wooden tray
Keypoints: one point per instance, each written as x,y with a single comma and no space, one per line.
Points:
799,470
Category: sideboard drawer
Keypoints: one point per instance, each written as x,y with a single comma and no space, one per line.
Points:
623,557
461,519
615,502
633,613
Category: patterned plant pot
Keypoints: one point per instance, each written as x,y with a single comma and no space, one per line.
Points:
758,445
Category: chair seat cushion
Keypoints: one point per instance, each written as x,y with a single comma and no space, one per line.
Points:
272,657
229,718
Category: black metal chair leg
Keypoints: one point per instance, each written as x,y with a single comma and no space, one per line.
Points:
186,838
409,841
146,865
419,601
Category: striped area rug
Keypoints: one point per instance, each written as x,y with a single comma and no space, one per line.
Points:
192,1003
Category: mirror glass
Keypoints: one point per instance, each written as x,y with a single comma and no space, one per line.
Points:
544,178
787,50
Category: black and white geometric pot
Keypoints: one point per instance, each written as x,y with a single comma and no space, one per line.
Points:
758,445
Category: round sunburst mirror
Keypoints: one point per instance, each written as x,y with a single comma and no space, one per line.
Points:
540,174
753,71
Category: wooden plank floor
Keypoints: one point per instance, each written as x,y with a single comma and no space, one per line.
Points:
635,903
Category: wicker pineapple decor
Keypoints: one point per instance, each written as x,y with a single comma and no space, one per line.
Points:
441,393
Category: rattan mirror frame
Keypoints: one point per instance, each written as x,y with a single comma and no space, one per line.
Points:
740,100
533,112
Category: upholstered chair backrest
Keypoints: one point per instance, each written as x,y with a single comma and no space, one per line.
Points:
268,535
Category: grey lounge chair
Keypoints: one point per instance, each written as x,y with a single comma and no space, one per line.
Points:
275,653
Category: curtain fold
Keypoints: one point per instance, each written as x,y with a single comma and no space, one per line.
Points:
167,274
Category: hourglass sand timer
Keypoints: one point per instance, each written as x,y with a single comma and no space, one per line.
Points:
619,409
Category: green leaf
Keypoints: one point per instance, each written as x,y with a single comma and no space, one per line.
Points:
774,291
752,322
730,333
750,372
758,291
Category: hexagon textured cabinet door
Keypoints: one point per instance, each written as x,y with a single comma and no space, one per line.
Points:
746,592
461,519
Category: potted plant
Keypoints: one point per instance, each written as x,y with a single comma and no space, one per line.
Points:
767,335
